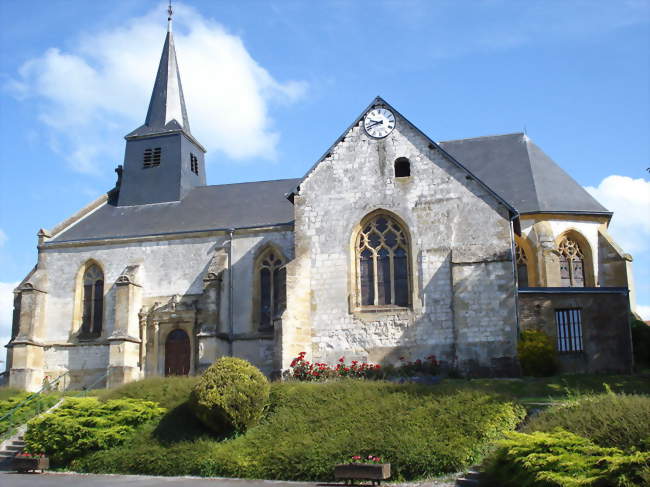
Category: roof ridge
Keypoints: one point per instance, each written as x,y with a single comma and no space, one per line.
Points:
482,137
527,141
248,182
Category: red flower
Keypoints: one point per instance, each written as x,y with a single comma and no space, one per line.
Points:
401,358
377,366
342,359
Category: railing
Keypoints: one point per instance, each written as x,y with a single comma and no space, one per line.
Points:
9,416
48,386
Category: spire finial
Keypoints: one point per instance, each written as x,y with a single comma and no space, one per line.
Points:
170,13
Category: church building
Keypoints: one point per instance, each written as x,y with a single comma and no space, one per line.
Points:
391,245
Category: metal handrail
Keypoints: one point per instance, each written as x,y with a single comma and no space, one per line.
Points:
46,387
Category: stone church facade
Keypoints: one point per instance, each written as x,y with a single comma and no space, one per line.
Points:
391,245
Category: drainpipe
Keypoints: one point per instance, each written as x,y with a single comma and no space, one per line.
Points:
514,271
231,325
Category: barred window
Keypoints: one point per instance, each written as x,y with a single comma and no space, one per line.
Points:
194,164
572,262
569,330
93,301
521,261
151,157
383,269
272,277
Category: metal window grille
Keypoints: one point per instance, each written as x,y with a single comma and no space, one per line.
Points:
152,157
569,330
194,164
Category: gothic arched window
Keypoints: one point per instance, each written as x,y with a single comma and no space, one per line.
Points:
382,253
272,277
93,301
521,261
572,273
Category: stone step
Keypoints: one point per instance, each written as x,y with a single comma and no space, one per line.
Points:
465,482
473,474
14,447
18,442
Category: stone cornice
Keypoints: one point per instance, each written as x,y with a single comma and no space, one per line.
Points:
284,227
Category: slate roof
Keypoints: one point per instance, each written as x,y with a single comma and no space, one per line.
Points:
510,165
221,207
167,111
515,168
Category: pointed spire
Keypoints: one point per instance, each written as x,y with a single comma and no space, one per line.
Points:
167,110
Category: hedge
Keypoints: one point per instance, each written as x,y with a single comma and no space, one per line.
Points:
609,420
563,459
310,427
82,425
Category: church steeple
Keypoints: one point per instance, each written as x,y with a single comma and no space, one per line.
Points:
167,110
163,161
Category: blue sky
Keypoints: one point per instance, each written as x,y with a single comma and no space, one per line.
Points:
270,85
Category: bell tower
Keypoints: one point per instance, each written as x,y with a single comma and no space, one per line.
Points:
162,160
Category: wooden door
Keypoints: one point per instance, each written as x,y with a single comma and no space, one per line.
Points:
177,353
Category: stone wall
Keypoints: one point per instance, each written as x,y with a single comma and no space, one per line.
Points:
463,306
605,325
166,272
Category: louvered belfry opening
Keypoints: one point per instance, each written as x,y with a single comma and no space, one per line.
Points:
152,157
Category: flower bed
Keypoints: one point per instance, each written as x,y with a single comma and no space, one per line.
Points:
25,462
305,370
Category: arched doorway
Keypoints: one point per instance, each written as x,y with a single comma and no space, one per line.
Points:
177,353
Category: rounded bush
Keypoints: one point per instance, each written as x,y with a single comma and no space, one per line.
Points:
230,396
537,355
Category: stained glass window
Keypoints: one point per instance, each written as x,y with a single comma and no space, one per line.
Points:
571,264
382,248
93,301
272,292
521,261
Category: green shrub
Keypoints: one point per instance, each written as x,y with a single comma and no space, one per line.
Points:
25,412
230,396
168,392
563,459
610,420
641,343
81,425
536,353
309,427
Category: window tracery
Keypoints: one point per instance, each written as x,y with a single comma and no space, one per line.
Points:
93,301
521,262
383,271
272,276
572,272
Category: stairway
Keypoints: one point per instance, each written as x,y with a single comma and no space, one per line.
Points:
10,448
472,478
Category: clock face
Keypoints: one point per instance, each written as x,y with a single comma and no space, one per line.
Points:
379,122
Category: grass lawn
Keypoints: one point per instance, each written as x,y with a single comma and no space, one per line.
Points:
531,390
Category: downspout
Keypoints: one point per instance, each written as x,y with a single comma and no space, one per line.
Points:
231,325
514,271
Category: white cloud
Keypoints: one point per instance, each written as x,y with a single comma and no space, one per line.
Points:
644,311
629,199
6,313
3,238
99,90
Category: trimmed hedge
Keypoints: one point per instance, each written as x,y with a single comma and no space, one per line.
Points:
537,355
230,396
81,425
563,459
609,420
310,427
25,412
168,392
